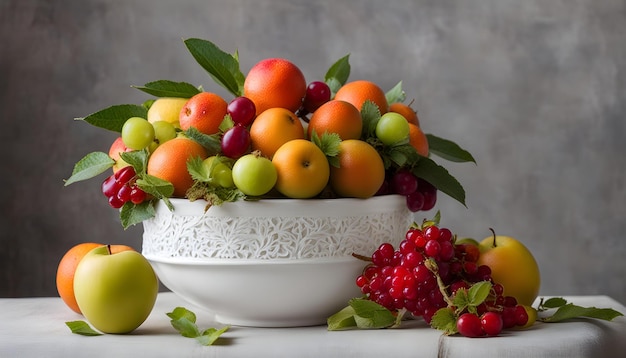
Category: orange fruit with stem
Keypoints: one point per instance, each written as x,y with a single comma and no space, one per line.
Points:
273,128
275,82
67,267
302,169
204,111
339,117
361,171
406,111
169,162
418,139
357,92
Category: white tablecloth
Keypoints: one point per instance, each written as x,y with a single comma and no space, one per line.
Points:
35,327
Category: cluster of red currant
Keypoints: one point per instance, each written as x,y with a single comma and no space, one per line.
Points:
419,194
426,270
121,188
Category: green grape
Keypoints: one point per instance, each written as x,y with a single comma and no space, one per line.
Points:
137,133
392,128
163,131
221,173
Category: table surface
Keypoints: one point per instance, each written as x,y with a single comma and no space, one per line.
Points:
35,327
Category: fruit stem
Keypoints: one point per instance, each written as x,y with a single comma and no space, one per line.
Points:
109,249
432,266
494,236
362,257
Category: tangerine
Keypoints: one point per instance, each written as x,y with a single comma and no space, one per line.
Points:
302,169
418,139
339,117
361,170
275,82
406,111
357,92
169,162
67,267
273,128
204,111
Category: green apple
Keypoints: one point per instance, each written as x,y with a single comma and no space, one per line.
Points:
513,266
254,175
115,291
392,128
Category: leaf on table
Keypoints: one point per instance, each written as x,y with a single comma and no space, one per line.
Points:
445,320
570,310
184,321
342,320
369,314
209,336
82,328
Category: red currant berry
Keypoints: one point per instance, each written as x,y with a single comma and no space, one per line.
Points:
137,196
469,325
125,174
235,142
403,182
242,111
491,323
317,93
521,316
509,318
445,234
124,193
110,186
115,203
431,233
432,248
415,201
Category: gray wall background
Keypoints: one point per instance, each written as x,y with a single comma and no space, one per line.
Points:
536,90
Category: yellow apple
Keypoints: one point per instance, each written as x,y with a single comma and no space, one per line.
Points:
513,266
166,109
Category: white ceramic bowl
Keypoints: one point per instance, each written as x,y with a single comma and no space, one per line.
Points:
270,263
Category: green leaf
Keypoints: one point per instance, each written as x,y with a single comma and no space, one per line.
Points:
210,142
444,319
448,150
82,328
156,187
338,74
478,292
369,314
138,159
461,299
329,144
396,94
223,67
553,302
182,312
133,214
438,176
570,311
342,320
90,166
114,117
165,88
370,114
209,336
184,321
198,171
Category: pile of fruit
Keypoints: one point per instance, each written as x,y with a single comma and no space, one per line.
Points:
278,137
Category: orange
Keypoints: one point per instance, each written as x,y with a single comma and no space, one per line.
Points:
204,111
67,267
361,170
357,92
302,169
169,162
418,139
273,128
339,117
406,111
275,82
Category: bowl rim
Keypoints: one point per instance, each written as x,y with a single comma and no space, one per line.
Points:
199,261
339,207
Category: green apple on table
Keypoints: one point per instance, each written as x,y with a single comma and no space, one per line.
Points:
115,291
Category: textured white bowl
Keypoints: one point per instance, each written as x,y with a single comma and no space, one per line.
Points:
270,263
